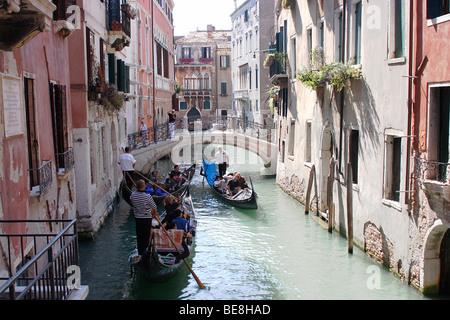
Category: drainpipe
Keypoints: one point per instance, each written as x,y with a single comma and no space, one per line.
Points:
408,186
341,125
153,65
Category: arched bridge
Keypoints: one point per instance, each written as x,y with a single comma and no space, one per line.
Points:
190,136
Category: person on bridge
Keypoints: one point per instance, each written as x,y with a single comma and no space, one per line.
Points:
144,208
143,133
223,161
127,164
172,119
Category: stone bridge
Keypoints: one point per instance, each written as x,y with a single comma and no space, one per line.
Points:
188,146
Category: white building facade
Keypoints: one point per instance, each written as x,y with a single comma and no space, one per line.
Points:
252,33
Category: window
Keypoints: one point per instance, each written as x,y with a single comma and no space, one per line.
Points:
396,29
206,105
186,53
223,89
438,131
436,8
183,105
291,139
309,45
358,32
353,153
321,34
392,167
339,36
206,52
256,77
33,152
58,104
225,61
293,57
308,142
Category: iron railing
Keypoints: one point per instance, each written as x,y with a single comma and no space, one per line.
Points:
65,161
432,170
43,273
161,132
42,176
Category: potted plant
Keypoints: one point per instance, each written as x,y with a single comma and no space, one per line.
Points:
288,4
337,74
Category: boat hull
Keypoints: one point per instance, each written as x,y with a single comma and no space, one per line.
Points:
247,203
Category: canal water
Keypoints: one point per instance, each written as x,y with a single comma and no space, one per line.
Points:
273,253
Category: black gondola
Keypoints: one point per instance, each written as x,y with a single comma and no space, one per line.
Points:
245,199
188,175
161,260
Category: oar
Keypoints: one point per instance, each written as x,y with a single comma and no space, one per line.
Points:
155,184
200,284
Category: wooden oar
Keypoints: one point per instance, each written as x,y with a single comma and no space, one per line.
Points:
200,284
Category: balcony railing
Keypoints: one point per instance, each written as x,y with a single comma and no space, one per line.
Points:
65,161
44,273
432,170
196,92
41,178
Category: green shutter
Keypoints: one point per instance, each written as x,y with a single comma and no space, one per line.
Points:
112,68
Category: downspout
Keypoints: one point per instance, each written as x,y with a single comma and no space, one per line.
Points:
410,153
153,66
341,125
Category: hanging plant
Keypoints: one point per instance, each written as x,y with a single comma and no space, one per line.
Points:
269,59
111,99
337,74
288,4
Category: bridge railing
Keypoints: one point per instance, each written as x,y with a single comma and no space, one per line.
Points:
162,131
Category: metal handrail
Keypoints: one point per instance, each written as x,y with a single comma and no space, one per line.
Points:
52,274
161,131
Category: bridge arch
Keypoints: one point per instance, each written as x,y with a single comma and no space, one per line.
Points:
186,146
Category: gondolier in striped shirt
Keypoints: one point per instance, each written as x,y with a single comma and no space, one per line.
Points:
144,209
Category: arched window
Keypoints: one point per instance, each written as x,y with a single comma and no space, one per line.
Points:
206,82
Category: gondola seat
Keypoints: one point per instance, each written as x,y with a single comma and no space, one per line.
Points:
162,243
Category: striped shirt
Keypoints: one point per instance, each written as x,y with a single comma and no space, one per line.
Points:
143,204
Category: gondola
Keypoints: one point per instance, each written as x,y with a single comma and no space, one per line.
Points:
188,175
161,260
245,199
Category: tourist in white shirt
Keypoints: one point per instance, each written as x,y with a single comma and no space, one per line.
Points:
223,160
127,164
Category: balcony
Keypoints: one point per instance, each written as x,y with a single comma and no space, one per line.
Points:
277,73
40,266
22,20
434,180
65,161
119,18
41,178
190,93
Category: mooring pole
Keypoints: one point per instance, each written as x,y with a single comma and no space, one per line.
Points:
308,191
330,196
350,207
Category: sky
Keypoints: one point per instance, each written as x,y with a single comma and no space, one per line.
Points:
190,15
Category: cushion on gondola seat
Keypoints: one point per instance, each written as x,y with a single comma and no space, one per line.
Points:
162,242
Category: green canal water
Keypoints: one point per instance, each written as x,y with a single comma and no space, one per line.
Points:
273,253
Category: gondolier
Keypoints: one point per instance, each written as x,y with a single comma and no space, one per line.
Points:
144,210
223,161
127,164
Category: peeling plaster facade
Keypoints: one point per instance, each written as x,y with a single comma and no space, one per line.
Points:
39,62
